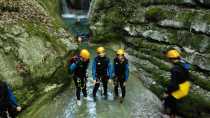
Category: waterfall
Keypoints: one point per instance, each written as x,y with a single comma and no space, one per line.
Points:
78,14
65,8
66,11
85,4
75,15
90,11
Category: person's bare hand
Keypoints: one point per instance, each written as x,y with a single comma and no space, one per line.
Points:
110,81
165,95
94,82
18,108
124,84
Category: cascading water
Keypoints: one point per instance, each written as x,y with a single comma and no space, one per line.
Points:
90,11
75,15
79,4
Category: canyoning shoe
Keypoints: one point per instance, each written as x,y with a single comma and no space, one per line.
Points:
94,99
165,116
105,97
85,98
116,97
79,103
121,100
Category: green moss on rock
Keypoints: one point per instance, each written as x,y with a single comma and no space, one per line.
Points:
154,14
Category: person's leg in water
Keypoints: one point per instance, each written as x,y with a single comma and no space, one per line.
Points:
12,112
84,87
173,108
122,86
96,88
170,106
105,82
3,114
78,88
116,85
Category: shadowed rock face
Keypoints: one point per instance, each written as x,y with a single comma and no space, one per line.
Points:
79,4
32,47
148,27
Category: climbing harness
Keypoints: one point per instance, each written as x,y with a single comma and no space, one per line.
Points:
80,83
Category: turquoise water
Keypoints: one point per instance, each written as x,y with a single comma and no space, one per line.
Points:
77,28
76,20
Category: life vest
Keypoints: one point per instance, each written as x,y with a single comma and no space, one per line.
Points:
183,90
120,67
102,64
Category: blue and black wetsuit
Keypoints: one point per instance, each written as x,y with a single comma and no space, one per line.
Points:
7,101
79,69
121,73
101,70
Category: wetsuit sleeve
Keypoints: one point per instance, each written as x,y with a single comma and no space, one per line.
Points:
126,71
113,70
94,69
12,98
109,70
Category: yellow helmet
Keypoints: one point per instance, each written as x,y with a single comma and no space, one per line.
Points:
84,53
100,50
120,52
173,54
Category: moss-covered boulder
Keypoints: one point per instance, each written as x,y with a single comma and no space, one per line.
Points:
33,47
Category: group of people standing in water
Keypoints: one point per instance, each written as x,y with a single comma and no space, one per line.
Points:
103,72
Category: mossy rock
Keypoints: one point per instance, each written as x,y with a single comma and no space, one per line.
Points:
186,17
53,8
194,106
28,42
157,89
168,2
154,14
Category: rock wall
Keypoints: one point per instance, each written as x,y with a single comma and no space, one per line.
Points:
149,27
33,46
